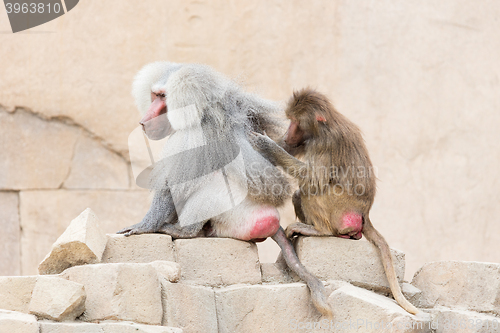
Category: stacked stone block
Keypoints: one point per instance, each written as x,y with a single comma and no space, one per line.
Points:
92,282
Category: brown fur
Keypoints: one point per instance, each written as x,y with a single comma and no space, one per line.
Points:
327,141
334,152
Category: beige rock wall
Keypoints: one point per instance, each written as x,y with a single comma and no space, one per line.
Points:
420,78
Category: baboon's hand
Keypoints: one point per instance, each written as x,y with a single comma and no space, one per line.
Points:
254,137
260,141
138,229
133,230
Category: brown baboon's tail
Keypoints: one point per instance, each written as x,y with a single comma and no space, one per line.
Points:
378,240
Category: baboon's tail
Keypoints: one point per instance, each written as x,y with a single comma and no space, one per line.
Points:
378,240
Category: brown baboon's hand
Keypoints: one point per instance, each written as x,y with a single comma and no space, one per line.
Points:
254,136
260,141
257,140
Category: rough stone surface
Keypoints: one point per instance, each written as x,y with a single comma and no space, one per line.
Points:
273,273
15,292
264,308
357,262
169,270
218,261
38,151
138,248
105,327
360,310
83,242
189,307
95,167
16,322
468,285
459,321
119,292
10,237
46,214
57,299
412,293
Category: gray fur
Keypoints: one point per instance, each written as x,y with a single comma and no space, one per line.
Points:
227,114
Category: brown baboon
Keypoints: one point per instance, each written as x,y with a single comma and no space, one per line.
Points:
336,180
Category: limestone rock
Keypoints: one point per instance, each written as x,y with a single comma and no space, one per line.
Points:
357,262
138,248
105,327
264,308
15,292
119,292
37,152
469,285
332,285
273,273
218,261
10,254
16,322
169,270
411,293
450,321
189,307
94,166
83,242
361,310
43,220
57,299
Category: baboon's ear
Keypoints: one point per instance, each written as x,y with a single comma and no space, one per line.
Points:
320,118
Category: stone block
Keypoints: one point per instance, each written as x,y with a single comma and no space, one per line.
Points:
361,310
469,285
95,166
83,242
218,261
16,322
138,248
357,262
264,308
57,299
104,327
46,214
10,237
169,270
332,285
412,293
119,292
273,273
446,320
37,151
189,307
15,292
